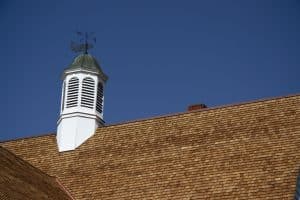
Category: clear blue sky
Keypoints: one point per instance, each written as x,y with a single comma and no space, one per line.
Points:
160,55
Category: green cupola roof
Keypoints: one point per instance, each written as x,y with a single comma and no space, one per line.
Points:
86,62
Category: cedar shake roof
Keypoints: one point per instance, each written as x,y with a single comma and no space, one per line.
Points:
245,151
20,180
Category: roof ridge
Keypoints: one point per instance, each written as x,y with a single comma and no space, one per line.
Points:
204,109
56,179
22,160
171,115
27,137
26,164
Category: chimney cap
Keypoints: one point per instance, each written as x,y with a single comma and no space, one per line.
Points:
196,107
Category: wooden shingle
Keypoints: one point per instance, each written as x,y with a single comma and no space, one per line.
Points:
20,180
245,151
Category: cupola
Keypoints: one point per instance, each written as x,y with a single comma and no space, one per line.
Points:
82,102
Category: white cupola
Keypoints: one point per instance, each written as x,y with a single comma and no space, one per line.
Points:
82,101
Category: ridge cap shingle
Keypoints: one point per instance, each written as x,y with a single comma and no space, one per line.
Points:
202,110
27,137
169,115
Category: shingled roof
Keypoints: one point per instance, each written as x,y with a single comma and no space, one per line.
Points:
245,151
20,180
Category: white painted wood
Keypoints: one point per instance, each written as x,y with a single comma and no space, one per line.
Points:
77,124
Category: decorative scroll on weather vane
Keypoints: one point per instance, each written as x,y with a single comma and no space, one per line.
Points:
85,42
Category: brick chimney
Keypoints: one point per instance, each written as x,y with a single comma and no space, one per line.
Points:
196,107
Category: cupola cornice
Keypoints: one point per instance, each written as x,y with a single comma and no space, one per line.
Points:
85,63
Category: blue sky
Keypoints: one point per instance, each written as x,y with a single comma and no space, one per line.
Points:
160,56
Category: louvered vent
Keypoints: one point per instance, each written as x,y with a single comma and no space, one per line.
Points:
88,90
63,96
72,97
99,98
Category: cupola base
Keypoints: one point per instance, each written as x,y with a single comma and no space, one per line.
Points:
75,130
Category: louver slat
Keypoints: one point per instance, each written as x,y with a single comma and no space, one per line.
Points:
63,96
99,104
72,96
88,90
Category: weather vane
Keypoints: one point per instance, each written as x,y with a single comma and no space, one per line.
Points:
85,42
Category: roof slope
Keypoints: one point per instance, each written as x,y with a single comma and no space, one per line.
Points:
246,151
20,180
86,62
